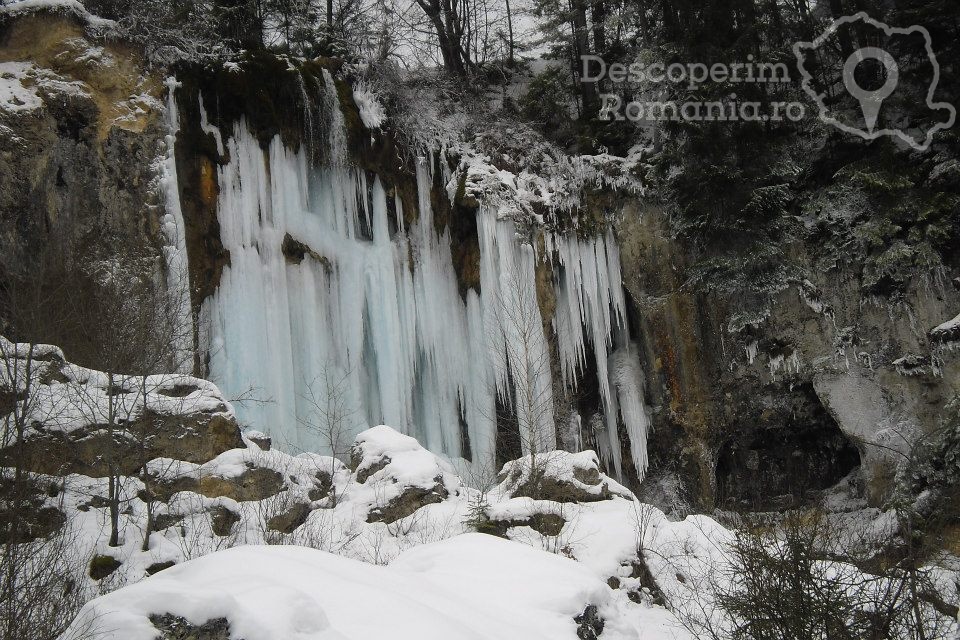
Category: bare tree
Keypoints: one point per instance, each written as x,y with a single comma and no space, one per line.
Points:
138,329
522,360
449,21
331,413
41,590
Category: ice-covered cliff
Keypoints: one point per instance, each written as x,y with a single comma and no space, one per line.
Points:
339,304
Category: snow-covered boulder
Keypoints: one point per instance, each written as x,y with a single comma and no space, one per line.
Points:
559,476
469,587
398,475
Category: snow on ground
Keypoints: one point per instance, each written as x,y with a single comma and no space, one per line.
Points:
473,586
342,573
442,580
576,536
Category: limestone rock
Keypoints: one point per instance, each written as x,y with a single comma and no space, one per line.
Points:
546,524
403,505
254,483
157,567
68,431
589,623
260,439
222,520
102,566
177,628
289,520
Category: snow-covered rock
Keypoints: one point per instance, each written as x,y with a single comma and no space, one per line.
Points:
394,497
396,476
559,476
80,420
946,331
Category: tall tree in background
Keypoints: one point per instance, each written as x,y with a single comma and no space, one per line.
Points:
241,22
449,21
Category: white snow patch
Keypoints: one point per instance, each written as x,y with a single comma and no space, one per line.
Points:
947,330
372,113
470,587
18,92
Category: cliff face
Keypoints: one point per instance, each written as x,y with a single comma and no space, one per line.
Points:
763,404
80,133
756,403
77,153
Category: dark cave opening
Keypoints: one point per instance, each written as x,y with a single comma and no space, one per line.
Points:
783,466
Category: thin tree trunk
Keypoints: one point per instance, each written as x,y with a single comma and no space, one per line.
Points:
598,15
113,483
588,90
509,34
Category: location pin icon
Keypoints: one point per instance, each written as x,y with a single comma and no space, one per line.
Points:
870,101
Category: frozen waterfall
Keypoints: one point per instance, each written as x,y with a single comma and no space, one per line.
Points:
175,244
363,322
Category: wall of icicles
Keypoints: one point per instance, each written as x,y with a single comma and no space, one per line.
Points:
367,326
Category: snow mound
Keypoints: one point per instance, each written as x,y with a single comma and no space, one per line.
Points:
396,476
470,587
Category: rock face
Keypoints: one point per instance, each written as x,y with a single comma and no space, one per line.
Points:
79,141
540,487
177,628
253,483
589,624
103,566
761,403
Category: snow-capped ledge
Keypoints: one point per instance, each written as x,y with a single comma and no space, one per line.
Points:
72,8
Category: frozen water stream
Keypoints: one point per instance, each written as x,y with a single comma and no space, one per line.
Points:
370,324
